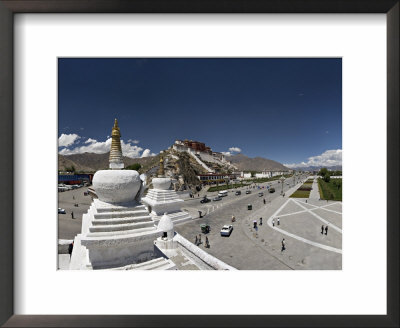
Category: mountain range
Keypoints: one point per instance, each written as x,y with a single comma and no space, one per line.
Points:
91,162
244,163
317,168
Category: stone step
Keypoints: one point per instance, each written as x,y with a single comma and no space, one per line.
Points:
113,221
103,207
156,264
120,227
122,233
121,214
158,196
180,217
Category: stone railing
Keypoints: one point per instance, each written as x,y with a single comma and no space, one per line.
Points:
202,255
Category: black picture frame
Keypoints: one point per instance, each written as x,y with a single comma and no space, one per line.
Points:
10,7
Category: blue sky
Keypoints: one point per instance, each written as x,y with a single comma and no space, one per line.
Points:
288,110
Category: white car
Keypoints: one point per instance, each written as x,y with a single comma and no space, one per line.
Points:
226,230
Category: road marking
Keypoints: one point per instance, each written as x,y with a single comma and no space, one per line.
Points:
322,246
321,207
321,219
313,243
325,209
282,215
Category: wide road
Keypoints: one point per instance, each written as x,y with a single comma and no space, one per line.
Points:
230,202
246,249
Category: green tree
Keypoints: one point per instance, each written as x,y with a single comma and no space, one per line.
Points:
327,178
322,172
134,166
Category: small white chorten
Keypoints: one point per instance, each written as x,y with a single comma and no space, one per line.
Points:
162,200
166,242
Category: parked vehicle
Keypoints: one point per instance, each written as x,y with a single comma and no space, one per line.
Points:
223,193
237,193
217,198
249,207
260,194
205,200
61,211
226,230
271,190
248,191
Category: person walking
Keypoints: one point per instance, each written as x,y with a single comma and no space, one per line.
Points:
277,221
207,243
196,241
326,230
70,248
273,222
283,245
199,238
72,215
322,229
264,201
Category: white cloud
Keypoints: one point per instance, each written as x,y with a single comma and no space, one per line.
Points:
90,140
134,141
235,150
66,140
147,153
101,147
226,153
328,158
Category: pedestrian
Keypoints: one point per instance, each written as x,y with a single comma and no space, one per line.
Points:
283,245
306,200
264,201
195,242
73,197
72,215
199,214
278,222
326,230
322,229
198,195
70,248
199,238
273,222
207,243
260,221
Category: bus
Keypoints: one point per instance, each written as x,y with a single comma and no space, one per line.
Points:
223,193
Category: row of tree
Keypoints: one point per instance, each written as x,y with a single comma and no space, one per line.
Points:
326,174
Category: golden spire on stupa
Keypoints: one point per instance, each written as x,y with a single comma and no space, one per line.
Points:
116,150
161,168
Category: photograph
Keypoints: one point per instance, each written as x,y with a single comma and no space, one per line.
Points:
199,163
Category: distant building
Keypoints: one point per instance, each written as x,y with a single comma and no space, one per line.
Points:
71,179
217,177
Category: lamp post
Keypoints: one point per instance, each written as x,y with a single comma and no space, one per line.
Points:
282,179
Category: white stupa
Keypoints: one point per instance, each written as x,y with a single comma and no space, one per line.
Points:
117,230
161,199
166,241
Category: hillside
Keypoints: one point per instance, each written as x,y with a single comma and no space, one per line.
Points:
91,162
244,163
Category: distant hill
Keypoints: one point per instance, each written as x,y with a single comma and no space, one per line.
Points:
317,168
244,163
91,162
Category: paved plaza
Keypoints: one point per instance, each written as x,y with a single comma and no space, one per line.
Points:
248,248
260,248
